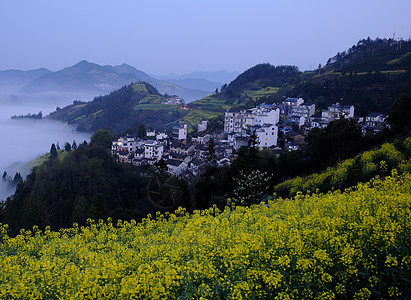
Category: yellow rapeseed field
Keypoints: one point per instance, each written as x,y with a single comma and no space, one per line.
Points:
340,245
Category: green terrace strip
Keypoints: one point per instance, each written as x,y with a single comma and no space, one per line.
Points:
349,245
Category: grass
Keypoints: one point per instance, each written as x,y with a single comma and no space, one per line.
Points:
156,106
140,87
397,60
150,99
27,166
195,116
263,92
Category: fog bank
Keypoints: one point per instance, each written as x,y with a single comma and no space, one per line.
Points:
25,139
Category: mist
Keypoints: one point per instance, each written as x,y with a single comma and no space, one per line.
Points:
25,139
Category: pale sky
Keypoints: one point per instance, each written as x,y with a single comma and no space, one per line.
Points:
181,36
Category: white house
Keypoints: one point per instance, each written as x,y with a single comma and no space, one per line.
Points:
176,167
320,123
201,138
196,165
153,149
161,136
374,122
180,131
150,132
337,111
267,135
239,121
202,126
305,110
127,143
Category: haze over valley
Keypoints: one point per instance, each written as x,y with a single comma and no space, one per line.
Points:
26,139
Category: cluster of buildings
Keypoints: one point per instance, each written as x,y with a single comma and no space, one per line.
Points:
183,154
173,100
294,119
188,154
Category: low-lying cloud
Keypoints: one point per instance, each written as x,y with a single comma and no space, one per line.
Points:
25,139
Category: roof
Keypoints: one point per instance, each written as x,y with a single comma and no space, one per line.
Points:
374,114
197,162
293,133
174,162
140,151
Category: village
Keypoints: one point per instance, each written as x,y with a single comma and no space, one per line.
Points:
278,127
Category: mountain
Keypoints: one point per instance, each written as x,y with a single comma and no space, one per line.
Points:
194,83
8,77
258,81
216,76
82,76
370,75
131,105
87,76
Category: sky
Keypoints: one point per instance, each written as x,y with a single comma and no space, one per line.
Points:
181,36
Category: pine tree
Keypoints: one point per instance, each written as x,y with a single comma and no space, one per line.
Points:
53,151
67,147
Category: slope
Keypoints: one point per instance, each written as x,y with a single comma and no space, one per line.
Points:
370,75
121,109
260,80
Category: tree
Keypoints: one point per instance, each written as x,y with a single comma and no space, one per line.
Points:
211,155
74,145
161,166
253,143
102,137
216,91
251,187
224,87
53,151
400,116
17,178
67,147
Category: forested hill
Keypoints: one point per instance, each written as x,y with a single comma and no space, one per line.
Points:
136,103
372,55
370,75
260,80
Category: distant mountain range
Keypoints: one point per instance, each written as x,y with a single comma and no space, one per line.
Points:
91,77
9,77
216,76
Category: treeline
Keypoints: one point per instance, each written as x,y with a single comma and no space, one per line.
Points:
372,55
11,182
28,116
